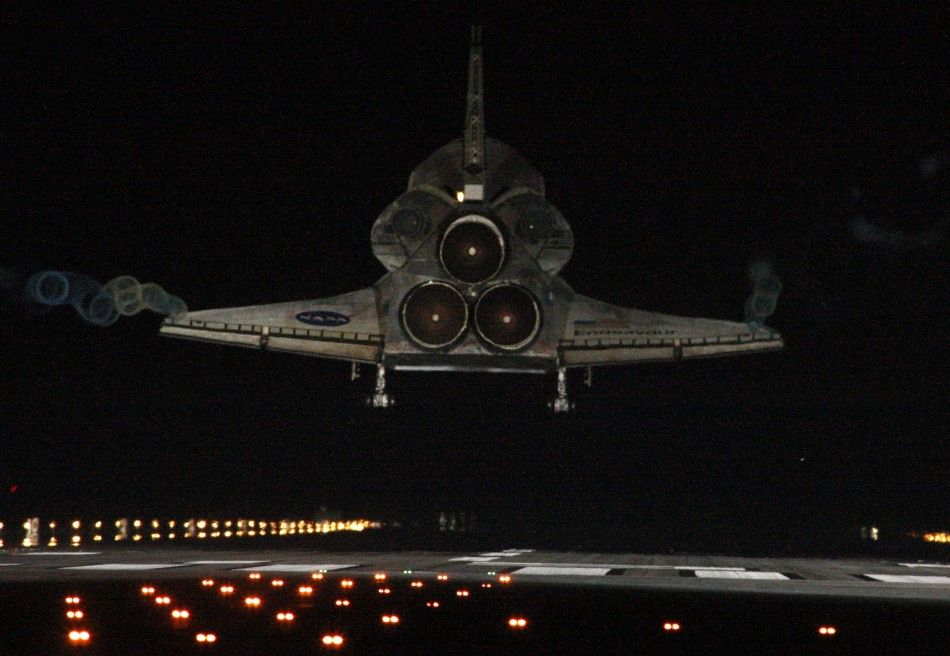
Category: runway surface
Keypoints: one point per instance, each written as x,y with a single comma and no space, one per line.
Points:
852,578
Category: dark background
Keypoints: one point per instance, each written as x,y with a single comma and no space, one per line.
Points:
241,158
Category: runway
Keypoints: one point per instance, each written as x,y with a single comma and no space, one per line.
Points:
847,578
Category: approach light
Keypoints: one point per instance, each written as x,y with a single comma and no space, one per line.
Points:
163,601
671,626
416,584
442,577
346,583
254,576
74,614
517,622
305,590
206,637
181,614
342,602
252,602
147,590
379,576
73,600
504,578
384,591
432,604
827,630
332,640
390,619
226,589
79,637
277,583
316,576
207,582
461,592
285,616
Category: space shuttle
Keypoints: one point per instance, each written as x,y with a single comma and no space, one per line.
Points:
472,249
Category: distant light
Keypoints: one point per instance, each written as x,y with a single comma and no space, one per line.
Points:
504,578
332,640
75,523
207,582
432,604
486,585
671,626
460,196
827,630
384,591
407,571
517,622
442,577
461,592
416,584
379,576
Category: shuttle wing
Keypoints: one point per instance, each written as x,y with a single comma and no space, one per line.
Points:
598,333
344,327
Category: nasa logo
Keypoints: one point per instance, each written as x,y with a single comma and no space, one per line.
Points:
323,318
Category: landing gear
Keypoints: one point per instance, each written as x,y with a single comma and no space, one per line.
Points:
561,403
380,399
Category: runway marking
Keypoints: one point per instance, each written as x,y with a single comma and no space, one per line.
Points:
296,567
125,567
224,562
478,559
60,553
9,564
910,578
923,565
474,559
562,571
752,576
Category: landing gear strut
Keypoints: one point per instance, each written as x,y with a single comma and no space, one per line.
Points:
380,399
561,403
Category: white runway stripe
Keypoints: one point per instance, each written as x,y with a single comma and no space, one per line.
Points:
910,578
297,567
562,571
60,553
223,562
478,559
927,565
474,559
753,576
125,567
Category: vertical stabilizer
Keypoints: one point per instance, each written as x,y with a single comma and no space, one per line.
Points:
473,157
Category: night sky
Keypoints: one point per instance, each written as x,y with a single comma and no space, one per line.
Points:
239,159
